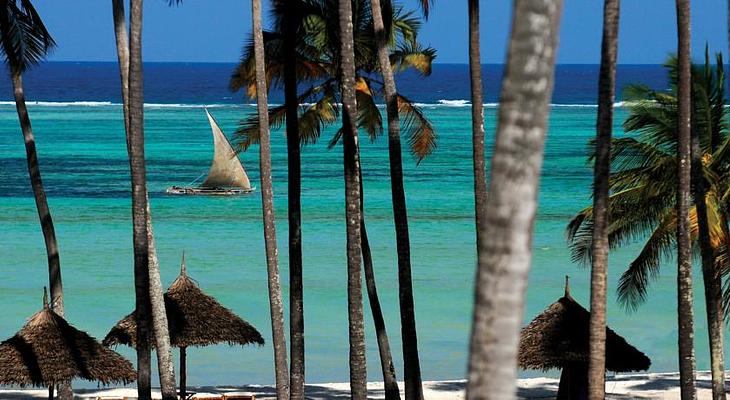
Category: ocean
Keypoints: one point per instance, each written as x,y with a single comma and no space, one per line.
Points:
78,124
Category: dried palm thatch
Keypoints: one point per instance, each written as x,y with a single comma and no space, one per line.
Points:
48,351
558,338
194,318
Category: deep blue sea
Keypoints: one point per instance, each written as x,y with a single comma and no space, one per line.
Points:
79,130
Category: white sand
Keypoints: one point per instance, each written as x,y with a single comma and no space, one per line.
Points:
639,386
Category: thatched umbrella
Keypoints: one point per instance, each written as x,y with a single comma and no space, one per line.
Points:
558,339
48,351
194,319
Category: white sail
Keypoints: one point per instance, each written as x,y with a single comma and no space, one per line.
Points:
226,170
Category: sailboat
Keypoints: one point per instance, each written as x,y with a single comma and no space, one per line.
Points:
226,176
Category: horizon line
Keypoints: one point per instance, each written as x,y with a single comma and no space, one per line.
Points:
236,62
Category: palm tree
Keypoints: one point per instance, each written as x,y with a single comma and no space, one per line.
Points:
320,67
412,368
351,160
157,306
644,190
712,278
390,382
294,170
139,206
477,129
516,163
684,244
602,171
160,327
148,293
25,42
477,118
267,199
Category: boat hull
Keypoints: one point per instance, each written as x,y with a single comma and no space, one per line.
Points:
203,191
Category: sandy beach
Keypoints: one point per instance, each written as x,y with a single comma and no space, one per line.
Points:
634,386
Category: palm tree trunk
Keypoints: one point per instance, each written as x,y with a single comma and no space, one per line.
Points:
296,290
267,200
510,214
684,247
711,276
390,383
139,201
159,315
409,337
351,160
601,174
477,119
44,212
165,363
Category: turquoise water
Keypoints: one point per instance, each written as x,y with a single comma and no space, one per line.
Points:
84,167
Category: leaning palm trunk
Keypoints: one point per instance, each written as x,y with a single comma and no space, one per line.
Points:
510,214
390,383
44,213
267,200
165,363
710,274
411,363
351,161
294,167
158,312
684,246
601,174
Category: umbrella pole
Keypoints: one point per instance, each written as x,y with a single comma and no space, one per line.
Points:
183,373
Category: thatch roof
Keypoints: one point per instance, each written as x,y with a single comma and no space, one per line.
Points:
48,351
559,336
194,319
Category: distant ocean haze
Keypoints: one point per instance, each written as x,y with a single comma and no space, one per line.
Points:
79,129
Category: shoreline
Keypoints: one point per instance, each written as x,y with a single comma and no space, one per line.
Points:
618,387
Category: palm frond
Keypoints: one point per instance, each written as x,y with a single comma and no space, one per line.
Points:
368,114
415,125
635,281
413,56
24,38
248,133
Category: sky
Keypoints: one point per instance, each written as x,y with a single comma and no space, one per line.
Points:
215,30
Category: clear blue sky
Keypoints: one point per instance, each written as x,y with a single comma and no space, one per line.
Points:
215,30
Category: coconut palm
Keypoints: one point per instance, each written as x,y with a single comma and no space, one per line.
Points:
267,199
351,161
510,213
645,175
157,310
601,175
25,42
148,288
711,277
290,27
139,207
320,67
477,129
477,118
412,368
684,244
